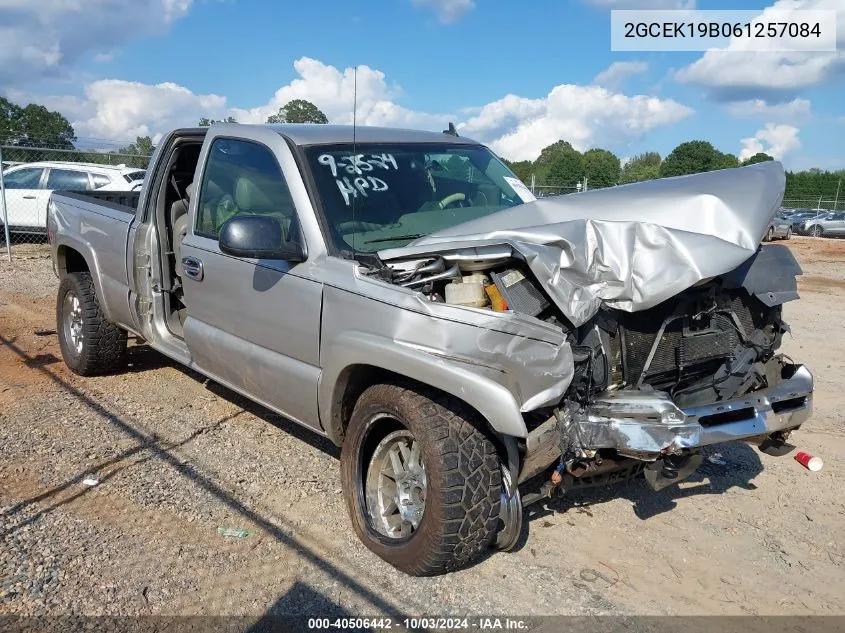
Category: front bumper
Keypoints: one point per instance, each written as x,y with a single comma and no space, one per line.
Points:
649,424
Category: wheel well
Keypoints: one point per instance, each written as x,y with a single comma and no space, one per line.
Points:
355,379
71,261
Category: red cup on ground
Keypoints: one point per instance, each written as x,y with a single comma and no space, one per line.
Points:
808,461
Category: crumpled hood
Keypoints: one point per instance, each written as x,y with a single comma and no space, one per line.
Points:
632,246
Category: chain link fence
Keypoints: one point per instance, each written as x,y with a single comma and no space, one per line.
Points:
814,204
30,174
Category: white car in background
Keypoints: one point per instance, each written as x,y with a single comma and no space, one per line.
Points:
28,187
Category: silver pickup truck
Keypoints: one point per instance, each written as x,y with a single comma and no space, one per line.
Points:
470,348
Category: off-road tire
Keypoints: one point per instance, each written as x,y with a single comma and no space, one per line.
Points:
103,343
463,473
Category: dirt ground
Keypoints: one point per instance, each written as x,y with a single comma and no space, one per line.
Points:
176,457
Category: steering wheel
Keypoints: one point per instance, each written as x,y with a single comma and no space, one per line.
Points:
451,199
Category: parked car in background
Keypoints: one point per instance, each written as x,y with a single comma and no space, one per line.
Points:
829,224
780,228
801,221
29,185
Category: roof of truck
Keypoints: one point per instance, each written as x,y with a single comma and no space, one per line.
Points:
311,134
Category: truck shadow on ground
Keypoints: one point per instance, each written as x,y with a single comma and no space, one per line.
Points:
143,358
725,466
291,610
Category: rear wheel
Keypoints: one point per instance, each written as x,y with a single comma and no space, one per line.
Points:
421,480
770,235
89,343
788,233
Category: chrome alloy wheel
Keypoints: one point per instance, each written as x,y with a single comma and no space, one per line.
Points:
72,313
395,486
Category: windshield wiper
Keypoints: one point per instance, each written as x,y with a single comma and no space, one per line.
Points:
398,237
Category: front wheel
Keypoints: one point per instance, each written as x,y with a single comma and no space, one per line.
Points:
788,233
421,480
816,231
89,343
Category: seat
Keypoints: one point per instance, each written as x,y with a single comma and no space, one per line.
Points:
179,225
261,196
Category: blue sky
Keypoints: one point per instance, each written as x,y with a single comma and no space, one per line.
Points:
516,75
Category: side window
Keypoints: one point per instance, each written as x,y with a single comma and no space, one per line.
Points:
242,177
27,178
67,180
100,180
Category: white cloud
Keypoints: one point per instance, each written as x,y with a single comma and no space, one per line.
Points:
333,91
586,116
116,109
516,127
774,140
449,11
736,74
615,75
797,109
643,4
41,38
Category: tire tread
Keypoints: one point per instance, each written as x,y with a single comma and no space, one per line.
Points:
104,343
470,485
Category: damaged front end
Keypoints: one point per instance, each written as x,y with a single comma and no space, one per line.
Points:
652,388
673,320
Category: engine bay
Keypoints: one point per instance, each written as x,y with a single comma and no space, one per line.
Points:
708,344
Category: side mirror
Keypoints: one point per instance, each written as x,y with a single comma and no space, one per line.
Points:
258,237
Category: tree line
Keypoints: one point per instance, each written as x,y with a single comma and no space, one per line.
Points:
559,165
561,168
562,165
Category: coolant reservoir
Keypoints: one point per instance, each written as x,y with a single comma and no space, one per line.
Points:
475,278
463,293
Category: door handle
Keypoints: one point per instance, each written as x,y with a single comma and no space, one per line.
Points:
192,267
29,197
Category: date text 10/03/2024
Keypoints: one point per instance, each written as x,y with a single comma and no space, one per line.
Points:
421,623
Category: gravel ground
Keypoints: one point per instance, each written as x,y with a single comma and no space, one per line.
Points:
176,457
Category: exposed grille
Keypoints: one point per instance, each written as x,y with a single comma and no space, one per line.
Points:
684,345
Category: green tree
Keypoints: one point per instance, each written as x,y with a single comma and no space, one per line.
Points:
693,157
522,168
725,161
8,120
759,157
298,111
142,148
559,164
641,167
601,167
206,122
34,125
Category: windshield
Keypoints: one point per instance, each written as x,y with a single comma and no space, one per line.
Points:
387,195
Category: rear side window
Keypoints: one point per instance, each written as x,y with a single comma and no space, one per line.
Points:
67,180
134,175
100,180
27,178
242,177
